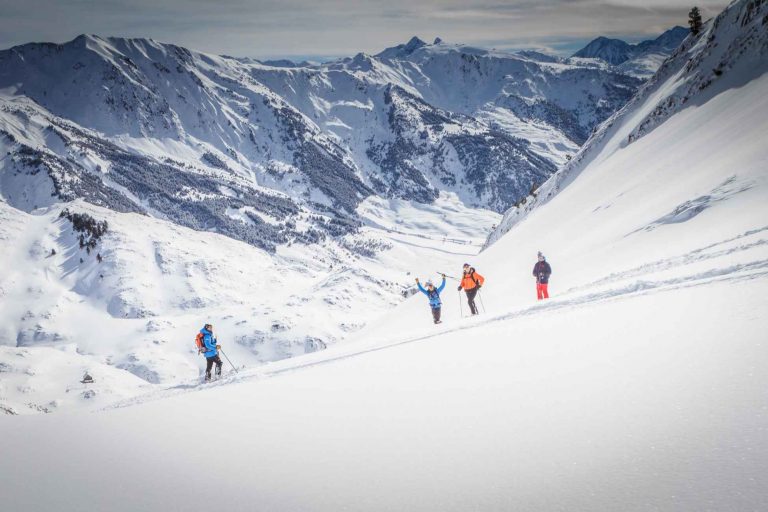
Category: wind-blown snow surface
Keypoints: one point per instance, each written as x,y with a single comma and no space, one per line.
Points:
638,386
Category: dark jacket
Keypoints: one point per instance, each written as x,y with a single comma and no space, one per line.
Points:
542,271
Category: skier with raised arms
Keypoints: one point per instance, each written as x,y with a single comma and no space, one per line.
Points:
433,294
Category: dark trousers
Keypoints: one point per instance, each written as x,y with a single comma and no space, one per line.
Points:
471,293
209,364
436,314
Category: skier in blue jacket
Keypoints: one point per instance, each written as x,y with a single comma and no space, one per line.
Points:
433,294
211,351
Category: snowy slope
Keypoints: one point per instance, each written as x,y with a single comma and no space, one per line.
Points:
633,416
727,54
637,387
130,320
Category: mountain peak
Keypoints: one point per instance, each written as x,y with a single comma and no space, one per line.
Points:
84,39
613,51
616,51
414,44
403,50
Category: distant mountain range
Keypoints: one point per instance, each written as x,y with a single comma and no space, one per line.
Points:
277,152
255,151
616,51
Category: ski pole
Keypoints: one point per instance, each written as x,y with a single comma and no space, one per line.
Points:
461,309
449,277
230,362
480,296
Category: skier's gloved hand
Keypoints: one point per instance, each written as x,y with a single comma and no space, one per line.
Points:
459,288
218,347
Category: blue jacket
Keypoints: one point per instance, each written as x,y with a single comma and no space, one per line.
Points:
210,343
434,295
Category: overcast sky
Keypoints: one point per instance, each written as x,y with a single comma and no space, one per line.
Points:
332,28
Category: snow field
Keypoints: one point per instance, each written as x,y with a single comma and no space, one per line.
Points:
582,407
131,320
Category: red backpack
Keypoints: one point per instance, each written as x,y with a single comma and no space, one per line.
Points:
200,343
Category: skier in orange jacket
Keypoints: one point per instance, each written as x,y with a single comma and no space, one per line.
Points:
471,282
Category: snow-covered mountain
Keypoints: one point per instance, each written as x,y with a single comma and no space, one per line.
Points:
641,59
616,51
339,178
720,58
639,386
612,51
136,125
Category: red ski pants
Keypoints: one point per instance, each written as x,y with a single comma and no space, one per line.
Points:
541,291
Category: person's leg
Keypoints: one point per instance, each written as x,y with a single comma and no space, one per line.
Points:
544,290
208,366
436,315
217,359
471,300
538,291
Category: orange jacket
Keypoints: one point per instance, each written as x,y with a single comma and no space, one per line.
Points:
469,281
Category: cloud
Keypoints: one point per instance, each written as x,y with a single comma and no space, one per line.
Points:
265,28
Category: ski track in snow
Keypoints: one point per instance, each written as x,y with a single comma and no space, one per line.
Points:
752,270
571,298
694,256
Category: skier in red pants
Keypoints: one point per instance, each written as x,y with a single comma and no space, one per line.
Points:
542,271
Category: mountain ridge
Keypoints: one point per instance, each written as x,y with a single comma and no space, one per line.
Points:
729,51
617,51
322,138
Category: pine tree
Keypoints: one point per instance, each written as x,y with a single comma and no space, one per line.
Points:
694,20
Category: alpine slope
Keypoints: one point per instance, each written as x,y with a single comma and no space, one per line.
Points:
128,311
285,203
638,385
